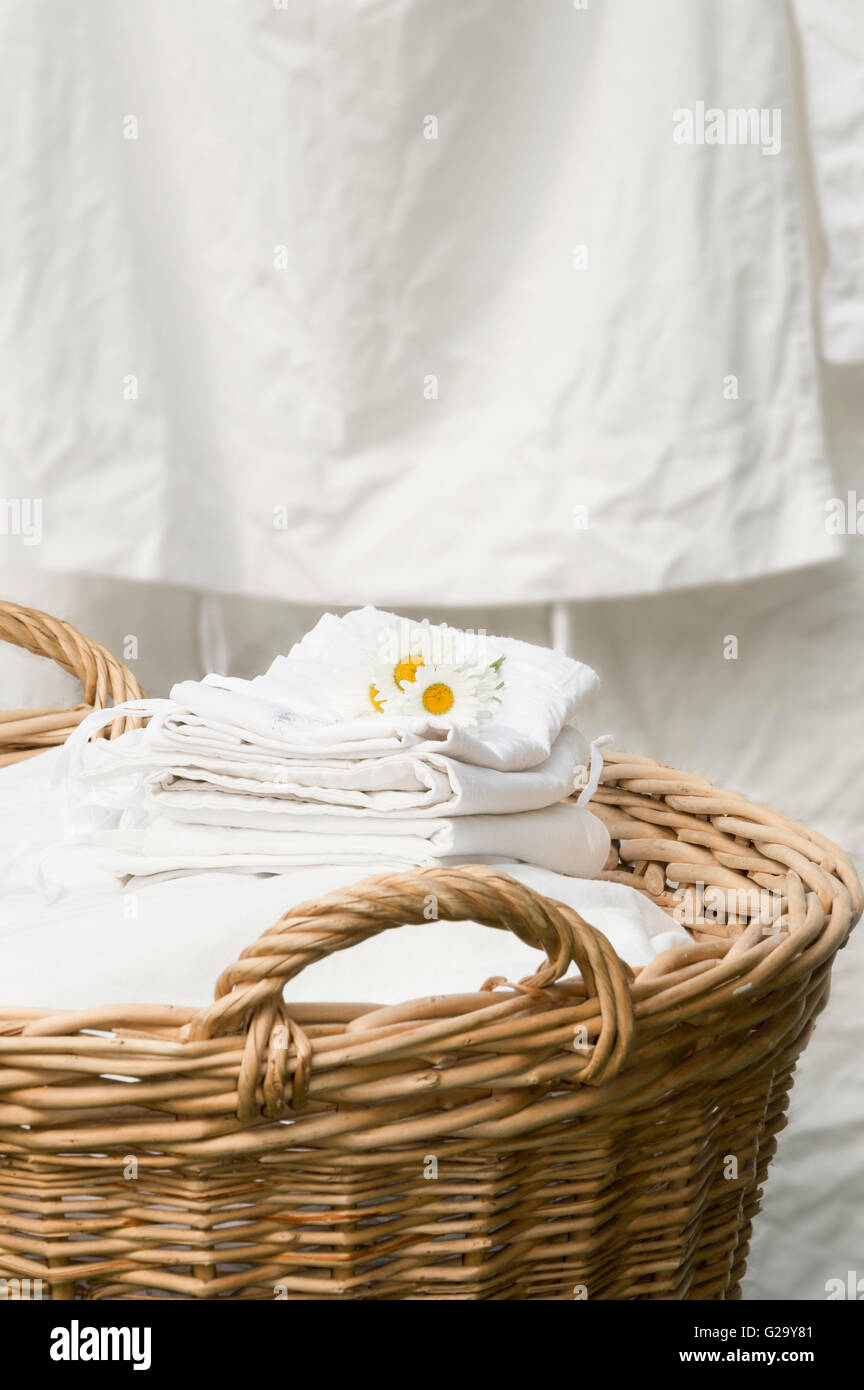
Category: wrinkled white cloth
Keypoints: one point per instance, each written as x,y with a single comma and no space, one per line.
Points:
832,49
467,329
167,941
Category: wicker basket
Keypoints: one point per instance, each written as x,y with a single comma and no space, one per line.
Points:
603,1138
104,679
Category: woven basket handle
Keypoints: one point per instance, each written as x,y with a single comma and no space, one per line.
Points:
104,679
253,985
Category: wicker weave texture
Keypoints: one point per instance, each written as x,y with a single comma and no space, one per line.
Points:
603,1137
104,681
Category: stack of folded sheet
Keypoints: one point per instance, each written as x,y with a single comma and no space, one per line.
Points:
375,743
356,754
89,942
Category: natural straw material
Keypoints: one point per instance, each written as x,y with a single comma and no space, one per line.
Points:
603,1138
104,679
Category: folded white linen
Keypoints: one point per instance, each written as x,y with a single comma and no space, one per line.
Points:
299,699
429,784
259,709
267,775
566,839
167,941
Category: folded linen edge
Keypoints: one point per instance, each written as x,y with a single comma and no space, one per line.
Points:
72,751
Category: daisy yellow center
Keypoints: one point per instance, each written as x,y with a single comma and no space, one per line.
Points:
438,698
375,699
406,670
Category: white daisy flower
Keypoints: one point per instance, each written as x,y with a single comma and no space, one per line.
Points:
374,688
459,695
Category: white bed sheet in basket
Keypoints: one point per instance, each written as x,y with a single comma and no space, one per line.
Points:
86,942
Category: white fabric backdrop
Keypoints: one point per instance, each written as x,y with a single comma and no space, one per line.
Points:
267,338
